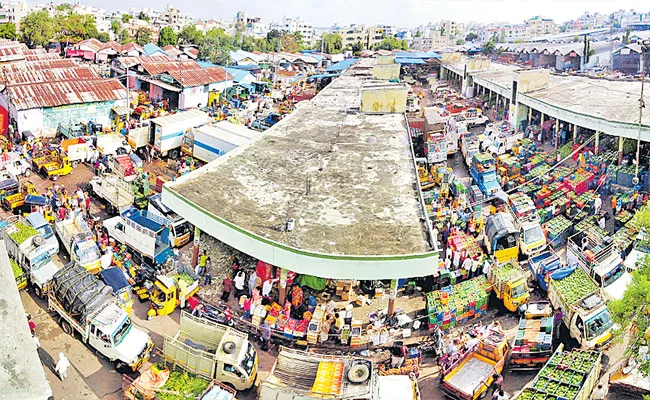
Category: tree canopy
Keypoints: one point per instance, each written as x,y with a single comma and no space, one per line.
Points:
142,36
37,28
167,37
190,35
488,47
8,31
126,18
333,43
471,37
391,43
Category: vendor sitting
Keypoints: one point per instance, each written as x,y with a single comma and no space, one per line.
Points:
392,320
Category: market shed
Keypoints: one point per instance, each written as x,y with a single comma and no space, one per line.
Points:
327,191
21,372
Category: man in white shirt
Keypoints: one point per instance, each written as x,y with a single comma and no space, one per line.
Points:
467,264
597,204
456,261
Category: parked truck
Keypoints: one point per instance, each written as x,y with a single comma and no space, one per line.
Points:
332,377
542,265
38,221
484,174
601,261
567,375
139,138
469,145
531,236
171,290
180,230
207,142
115,191
25,246
168,131
214,351
532,346
87,306
584,310
79,242
509,283
78,150
112,144
146,234
470,376
501,238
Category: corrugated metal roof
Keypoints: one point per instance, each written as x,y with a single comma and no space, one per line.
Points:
11,51
156,67
151,48
341,65
46,56
131,46
50,75
91,43
39,50
201,76
63,93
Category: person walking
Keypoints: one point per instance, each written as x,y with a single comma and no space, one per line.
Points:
557,322
598,203
239,282
265,330
208,273
599,393
62,366
203,261
177,256
227,288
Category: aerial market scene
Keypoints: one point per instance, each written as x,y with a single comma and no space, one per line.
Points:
205,203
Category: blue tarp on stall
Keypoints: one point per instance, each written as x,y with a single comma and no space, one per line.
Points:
410,61
341,65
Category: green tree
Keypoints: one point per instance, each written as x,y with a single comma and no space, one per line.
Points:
143,16
248,43
142,36
116,26
37,28
103,37
488,47
471,37
357,48
273,34
190,35
460,42
126,18
626,37
64,8
215,48
418,33
391,43
166,37
333,43
123,36
74,27
8,31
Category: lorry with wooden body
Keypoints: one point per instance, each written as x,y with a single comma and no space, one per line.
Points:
509,283
168,131
13,201
205,348
79,242
78,150
484,174
146,235
532,346
38,222
583,308
471,375
87,306
180,230
116,192
531,236
25,246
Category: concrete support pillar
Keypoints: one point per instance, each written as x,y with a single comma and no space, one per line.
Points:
391,296
530,115
541,121
489,96
596,143
282,292
575,132
620,150
497,113
557,134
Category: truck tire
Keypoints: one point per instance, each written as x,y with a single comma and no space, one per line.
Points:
38,292
67,328
121,367
28,172
358,373
38,240
75,163
173,154
229,347
55,178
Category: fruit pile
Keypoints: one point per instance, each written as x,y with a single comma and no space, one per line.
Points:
458,303
575,286
626,235
125,163
460,241
587,225
557,226
563,376
182,386
566,150
22,232
506,271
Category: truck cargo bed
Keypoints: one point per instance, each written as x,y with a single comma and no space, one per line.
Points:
469,375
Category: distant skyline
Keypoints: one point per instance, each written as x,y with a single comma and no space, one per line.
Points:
407,13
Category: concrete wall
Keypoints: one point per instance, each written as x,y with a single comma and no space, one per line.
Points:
385,60
451,57
193,97
386,72
478,64
530,80
383,101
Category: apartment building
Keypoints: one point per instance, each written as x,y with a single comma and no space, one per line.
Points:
452,29
176,19
538,26
289,24
12,11
251,26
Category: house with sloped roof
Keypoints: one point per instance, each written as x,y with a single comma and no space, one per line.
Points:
151,50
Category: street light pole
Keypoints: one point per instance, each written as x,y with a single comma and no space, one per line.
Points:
644,50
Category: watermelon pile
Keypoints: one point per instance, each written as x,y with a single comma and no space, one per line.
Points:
575,286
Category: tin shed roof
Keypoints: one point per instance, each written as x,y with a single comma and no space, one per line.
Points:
201,76
54,94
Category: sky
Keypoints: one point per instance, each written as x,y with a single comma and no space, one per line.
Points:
403,13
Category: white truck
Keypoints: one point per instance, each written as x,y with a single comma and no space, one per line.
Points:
116,192
145,233
454,130
180,230
583,309
25,246
78,240
207,142
86,305
111,144
139,138
78,150
19,167
601,261
168,131
332,377
531,236
214,351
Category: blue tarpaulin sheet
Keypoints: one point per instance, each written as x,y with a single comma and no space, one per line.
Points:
563,273
114,277
341,65
36,200
409,61
321,76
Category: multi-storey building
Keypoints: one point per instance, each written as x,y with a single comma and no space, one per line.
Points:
452,29
538,26
294,25
176,19
12,12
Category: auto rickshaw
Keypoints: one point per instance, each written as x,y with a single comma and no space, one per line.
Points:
168,292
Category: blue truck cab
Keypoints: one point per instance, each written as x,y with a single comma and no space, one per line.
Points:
484,174
38,222
542,265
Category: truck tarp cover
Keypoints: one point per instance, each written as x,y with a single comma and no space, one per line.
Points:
79,292
499,225
563,273
114,277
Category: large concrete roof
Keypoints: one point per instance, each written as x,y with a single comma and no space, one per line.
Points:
346,178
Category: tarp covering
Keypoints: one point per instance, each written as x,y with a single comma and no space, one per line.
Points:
79,292
563,273
341,65
410,61
114,277
36,200
321,76
312,282
499,225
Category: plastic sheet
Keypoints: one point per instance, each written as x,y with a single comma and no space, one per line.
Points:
79,292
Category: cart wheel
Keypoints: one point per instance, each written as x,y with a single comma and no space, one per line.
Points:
38,292
55,177
173,154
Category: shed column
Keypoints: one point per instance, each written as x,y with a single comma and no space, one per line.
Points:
391,296
596,145
620,150
282,289
557,134
575,132
195,251
530,115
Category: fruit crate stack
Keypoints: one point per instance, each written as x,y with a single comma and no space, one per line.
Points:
600,163
535,160
561,172
585,201
579,181
622,218
537,171
459,303
460,241
566,376
558,228
586,226
625,174
566,149
624,237
521,204
534,335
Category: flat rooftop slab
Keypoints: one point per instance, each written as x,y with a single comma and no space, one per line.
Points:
347,179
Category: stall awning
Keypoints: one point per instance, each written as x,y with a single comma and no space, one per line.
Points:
321,76
121,110
410,61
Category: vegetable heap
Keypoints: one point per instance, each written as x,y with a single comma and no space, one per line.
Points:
506,271
22,232
575,286
16,268
187,387
184,277
563,376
